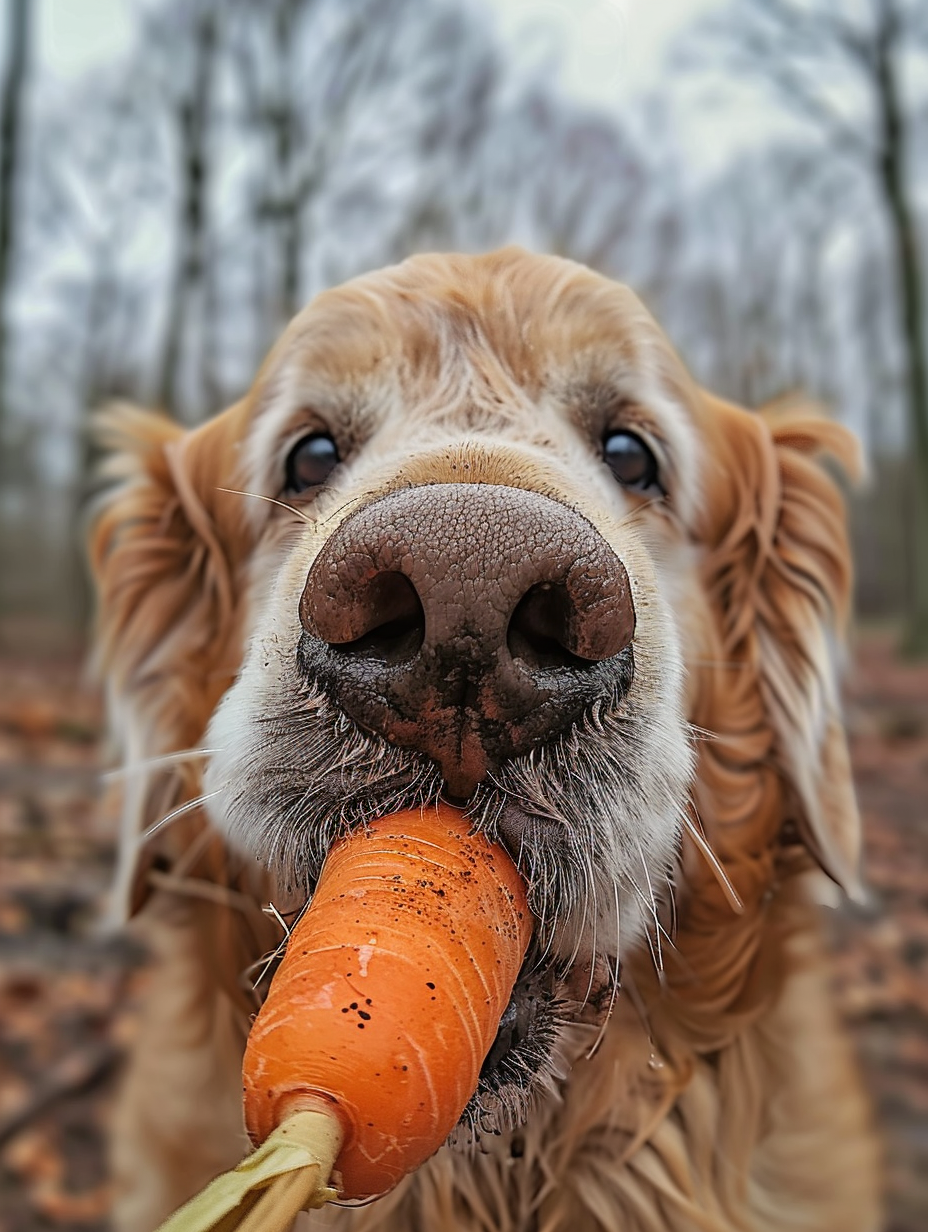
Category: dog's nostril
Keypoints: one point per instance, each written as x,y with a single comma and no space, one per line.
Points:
392,621
540,628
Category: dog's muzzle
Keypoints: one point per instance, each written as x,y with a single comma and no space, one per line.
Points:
467,621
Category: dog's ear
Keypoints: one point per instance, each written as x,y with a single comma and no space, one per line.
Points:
167,551
778,573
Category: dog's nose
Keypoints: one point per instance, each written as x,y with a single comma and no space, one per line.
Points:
468,621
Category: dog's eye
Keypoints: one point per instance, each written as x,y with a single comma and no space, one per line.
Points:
630,460
311,461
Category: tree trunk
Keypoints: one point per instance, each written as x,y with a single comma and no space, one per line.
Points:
910,285
290,201
11,126
14,82
193,122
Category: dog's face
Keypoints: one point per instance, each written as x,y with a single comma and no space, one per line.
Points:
492,501
475,596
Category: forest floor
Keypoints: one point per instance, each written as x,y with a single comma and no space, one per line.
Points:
68,990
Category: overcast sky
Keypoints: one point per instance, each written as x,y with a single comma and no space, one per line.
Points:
610,49
609,53
73,36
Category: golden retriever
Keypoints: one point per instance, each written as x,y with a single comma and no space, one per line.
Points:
475,531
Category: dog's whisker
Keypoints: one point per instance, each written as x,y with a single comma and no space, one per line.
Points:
639,1005
268,963
174,814
271,500
150,763
590,910
271,910
646,904
672,904
355,500
584,868
702,733
593,954
653,905
705,735
615,973
628,519
642,898
715,864
520,857
546,934
724,664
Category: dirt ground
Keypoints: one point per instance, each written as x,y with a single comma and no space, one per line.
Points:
66,988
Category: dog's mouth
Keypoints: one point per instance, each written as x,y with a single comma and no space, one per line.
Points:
558,1006
577,815
556,1012
557,1009
542,1030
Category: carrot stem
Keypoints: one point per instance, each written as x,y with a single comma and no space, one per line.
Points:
283,1200
289,1173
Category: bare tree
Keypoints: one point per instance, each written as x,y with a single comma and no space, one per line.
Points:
267,49
11,133
821,58
352,109
192,113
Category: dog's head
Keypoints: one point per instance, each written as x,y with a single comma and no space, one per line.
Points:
475,532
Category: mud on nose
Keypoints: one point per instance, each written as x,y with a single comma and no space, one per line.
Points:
467,621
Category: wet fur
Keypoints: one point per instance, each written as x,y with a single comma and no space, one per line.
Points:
721,1095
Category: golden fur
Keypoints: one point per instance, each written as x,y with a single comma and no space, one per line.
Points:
722,1096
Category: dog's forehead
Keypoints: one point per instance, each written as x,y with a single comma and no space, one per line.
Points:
509,346
508,316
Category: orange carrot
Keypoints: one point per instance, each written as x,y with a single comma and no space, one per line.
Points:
390,994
